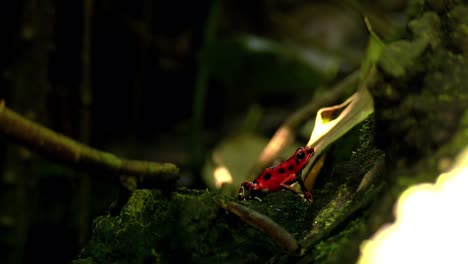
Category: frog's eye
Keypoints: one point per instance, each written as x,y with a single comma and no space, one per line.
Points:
300,155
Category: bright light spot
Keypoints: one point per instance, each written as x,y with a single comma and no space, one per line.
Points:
324,124
281,138
222,175
431,223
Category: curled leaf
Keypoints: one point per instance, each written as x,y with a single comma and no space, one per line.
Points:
353,111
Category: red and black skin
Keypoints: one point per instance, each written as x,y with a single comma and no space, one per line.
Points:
283,175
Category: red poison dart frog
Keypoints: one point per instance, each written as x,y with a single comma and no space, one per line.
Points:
283,175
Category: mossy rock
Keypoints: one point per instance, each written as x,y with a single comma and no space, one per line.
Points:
187,226
420,120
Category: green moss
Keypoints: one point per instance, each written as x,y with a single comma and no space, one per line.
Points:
458,21
420,119
422,88
428,169
336,249
328,214
364,157
189,226
285,207
427,29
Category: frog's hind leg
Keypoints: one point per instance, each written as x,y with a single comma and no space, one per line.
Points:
307,194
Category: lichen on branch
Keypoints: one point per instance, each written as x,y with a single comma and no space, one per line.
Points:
82,157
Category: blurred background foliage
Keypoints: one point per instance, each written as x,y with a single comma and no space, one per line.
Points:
173,81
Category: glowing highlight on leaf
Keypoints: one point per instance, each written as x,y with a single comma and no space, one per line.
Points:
222,176
353,111
323,121
431,223
327,129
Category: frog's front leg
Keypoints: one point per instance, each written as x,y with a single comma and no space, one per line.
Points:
293,178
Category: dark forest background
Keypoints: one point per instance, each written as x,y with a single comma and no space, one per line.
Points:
153,80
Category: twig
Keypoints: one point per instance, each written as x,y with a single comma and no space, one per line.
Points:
285,135
370,176
265,224
80,156
144,45
201,84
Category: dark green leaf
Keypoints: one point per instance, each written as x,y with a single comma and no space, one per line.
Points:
252,62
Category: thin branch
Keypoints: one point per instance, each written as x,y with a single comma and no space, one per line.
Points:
265,224
83,193
201,84
286,134
143,49
82,157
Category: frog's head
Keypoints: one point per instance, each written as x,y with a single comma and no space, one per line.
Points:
302,156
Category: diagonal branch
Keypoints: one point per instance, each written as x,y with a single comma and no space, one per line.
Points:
64,149
265,224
